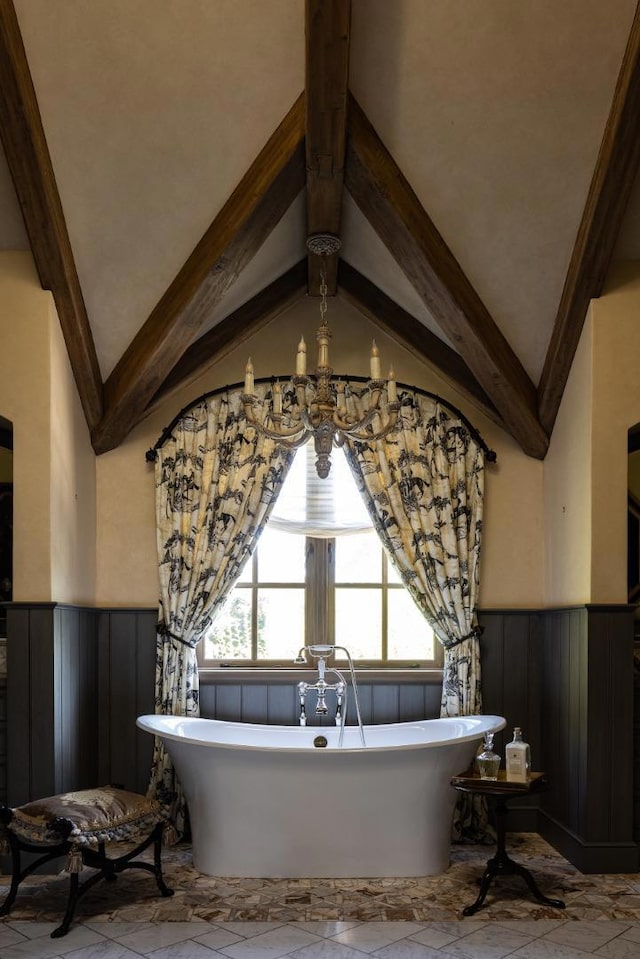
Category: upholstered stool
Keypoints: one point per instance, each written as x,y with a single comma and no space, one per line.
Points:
78,824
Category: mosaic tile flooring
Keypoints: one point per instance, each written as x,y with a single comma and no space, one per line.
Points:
335,919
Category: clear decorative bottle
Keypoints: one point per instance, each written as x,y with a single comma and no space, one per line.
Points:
518,758
488,761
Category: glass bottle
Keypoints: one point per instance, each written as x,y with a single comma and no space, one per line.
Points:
488,761
518,758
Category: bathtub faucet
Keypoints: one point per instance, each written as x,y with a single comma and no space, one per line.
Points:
321,686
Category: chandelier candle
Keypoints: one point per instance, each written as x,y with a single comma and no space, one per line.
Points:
321,409
301,358
248,377
375,362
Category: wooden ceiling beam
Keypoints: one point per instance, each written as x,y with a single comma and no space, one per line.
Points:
231,332
30,165
257,204
613,178
327,32
410,333
387,200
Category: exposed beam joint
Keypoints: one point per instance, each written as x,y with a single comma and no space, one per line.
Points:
255,207
613,178
30,165
410,333
387,200
231,332
327,31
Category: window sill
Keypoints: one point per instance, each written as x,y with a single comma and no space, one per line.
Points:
214,675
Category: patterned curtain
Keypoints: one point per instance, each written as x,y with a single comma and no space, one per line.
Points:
216,483
423,485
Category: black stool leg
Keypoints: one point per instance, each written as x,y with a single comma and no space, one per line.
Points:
16,876
109,874
157,860
63,928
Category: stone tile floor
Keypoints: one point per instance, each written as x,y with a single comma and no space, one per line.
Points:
334,919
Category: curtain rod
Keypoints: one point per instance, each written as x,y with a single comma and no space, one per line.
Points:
150,455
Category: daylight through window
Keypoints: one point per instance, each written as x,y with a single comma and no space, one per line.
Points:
319,575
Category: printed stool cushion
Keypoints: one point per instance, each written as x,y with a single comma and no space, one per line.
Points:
107,814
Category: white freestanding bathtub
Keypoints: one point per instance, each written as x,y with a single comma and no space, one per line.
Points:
265,802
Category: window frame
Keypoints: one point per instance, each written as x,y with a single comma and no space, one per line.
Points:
319,587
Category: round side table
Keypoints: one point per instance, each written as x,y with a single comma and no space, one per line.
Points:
498,792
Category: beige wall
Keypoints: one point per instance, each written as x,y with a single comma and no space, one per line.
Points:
53,465
586,469
512,573
73,484
567,487
616,407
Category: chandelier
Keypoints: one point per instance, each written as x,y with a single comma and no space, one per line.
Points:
320,409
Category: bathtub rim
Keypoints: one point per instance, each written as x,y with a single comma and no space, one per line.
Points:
499,724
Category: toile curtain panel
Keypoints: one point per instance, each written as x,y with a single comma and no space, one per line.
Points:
216,482
424,488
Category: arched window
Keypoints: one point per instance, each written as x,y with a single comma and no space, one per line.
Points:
319,575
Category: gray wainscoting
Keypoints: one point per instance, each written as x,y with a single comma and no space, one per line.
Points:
276,701
510,654
587,704
77,679
52,701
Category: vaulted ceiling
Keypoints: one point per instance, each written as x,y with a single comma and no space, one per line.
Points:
165,163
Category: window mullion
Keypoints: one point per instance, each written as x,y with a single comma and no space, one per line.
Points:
385,606
319,603
254,606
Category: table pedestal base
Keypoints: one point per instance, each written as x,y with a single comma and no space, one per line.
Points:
502,865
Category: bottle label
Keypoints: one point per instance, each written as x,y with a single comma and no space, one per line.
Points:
516,765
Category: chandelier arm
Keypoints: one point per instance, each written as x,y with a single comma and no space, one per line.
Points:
288,440
354,433
346,425
306,419
277,434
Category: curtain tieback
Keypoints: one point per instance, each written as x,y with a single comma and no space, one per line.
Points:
476,633
166,634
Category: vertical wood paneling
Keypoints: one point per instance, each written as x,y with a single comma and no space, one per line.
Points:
385,703
45,730
610,690
3,741
104,697
229,702
207,697
432,700
18,707
282,704
129,661
254,707
122,667
587,713
145,640
511,654
411,702
88,740
574,637
365,698
492,659
621,748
